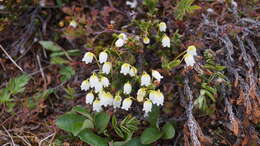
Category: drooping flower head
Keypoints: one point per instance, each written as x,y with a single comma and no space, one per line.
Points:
146,40
157,75
166,41
189,59
147,107
117,101
122,38
127,88
105,81
88,57
103,57
192,50
89,98
125,69
141,94
162,27
145,79
85,85
127,103
156,97
106,67
133,71
97,106
106,98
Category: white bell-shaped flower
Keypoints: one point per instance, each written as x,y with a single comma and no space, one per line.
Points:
93,80
105,81
127,103
73,24
127,88
89,98
98,87
141,94
162,27
88,57
146,40
192,50
122,38
97,106
119,43
103,57
147,107
156,97
189,60
85,85
117,101
157,75
106,67
106,98
125,69
166,41
145,79
133,71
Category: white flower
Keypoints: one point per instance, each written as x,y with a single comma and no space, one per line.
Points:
93,80
147,107
127,103
140,94
166,41
106,67
97,106
192,50
127,88
132,4
98,87
105,81
133,71
73,24
146,40
162,27
88,57
189,60
119,43
156,97
125,69
89,98
85,85
102,57
122,38
117,101
106,98
145,79
157,75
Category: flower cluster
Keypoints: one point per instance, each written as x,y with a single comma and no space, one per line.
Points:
189,56
100,96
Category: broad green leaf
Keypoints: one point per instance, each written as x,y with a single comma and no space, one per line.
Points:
91,138
135,142
58,60
83,111
16,85
67,72
153,116
150,135
49,45
71,122
168,131
101,121
88,124
5,96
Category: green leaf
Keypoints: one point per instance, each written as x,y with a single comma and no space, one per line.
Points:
91,138
70,93
135,142
150,135
49,45
83,111
58,60
71,122
5,96
101,121
66,72
168,131
88,124
16,85
153,116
